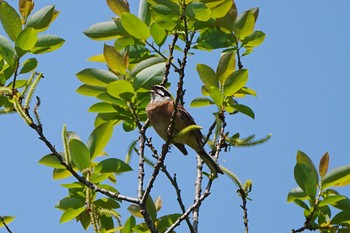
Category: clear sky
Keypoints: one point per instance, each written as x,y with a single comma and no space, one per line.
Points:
301,75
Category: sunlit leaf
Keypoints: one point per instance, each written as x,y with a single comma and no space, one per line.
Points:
25,7
331,200
51,161
226,66
244,24
207,75
70,202
214,38
118,6
165,16
47,43
135,26
7,220
71,213
201,102
149,76
254,39
96,77
42,18
26,40
60,173
336,177
296,193
28,66
135,210
99,138
80,154
166,221
10,20
244,109
7,52
235,82
216,95
102,107
158,34
112,165
121,89
105,30
219,8
198,11
306,179
129,224
90,90
114,60
342,217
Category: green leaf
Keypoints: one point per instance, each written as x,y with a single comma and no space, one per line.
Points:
214,38
135,26
99,138
304,159
51,161
118,6
42,18
105,30
226,66
149,76
244,25
102,107
89,90
219,8
244,109
207,75
29,65
331,200
216,95
296,193
25,41
306,179
7,52
10,20
96,77
166,17
60,173
158,34
324,163
201,102
186,130
7,220
47,43
114,60
151,208
342,217
198,11
254,39
129,225
80,154
336,177
235,82
70,202
70,214
112,165
166,221
121,89
135,210
107,203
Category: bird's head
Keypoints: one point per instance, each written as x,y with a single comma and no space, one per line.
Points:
159,93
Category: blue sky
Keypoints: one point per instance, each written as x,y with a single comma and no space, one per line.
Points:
301,75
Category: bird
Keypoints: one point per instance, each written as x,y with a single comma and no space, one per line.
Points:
159,111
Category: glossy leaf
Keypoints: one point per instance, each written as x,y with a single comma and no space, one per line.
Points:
70,202
107,203
235,82
118,6
158,34
198,11
219,8
129,225
306,179
97,58
135,210
216,95
70,214
226,66
60,173
149,76
42,18
90,90
207,75
244,109
331,200
151,208
10,20
296,193
102,107
165,16
135,26
114,60
25,7
80,154
99,138
51,161
214,38
166,221
7,52
201,102
254,39
28,66
96,77
244,25
342,217
105,30
112,165
47,43
336,177
228,20
26,40
121,89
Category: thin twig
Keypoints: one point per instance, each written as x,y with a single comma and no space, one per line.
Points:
5,225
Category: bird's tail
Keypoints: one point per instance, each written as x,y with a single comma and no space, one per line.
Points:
210,162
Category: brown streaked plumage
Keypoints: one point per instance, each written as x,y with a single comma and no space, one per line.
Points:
159,112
